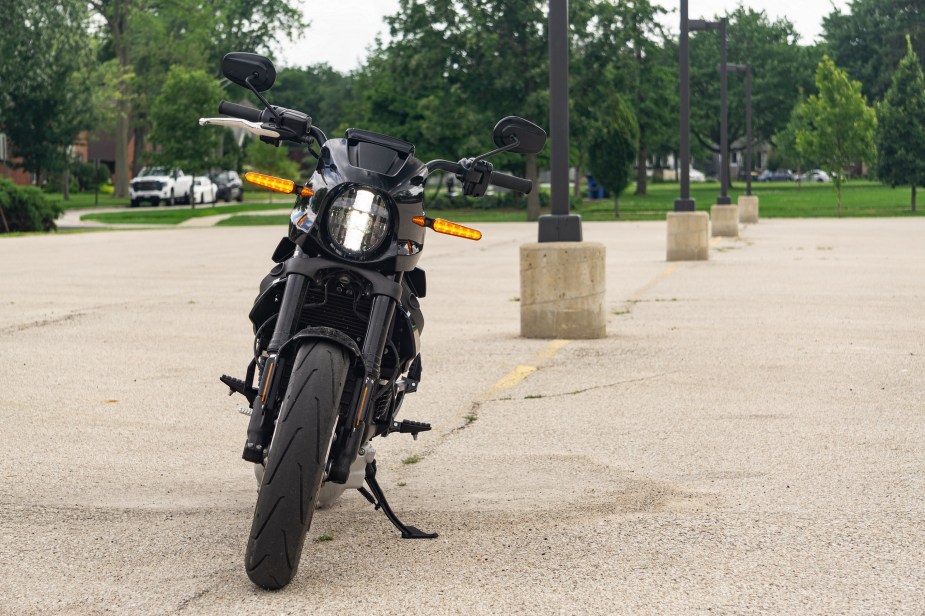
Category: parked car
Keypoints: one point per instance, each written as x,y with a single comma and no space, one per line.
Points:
781,175
229,185
697,176
816,175
204,190
156,184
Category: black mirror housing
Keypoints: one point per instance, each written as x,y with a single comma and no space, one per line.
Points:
241,66
529,137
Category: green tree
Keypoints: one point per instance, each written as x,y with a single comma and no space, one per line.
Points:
318,90
901,126
48,99
503,70
840,126
786,140
145,37
868,39
186,96
612,153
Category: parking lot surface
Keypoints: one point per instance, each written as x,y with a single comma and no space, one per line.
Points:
748,438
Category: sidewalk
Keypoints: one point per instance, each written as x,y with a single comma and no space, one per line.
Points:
748,438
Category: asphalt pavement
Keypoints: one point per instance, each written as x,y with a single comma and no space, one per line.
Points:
748,438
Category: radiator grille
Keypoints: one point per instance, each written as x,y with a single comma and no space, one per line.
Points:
338,311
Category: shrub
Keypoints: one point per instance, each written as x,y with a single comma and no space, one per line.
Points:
26,208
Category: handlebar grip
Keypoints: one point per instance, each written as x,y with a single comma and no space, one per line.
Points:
503,180
240,111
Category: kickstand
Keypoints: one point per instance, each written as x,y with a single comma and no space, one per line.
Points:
377,498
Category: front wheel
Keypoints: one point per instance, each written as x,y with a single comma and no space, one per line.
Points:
295,464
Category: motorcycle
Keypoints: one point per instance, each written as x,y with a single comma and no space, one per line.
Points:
337,321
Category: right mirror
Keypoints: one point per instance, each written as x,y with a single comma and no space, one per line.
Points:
512,129
238,66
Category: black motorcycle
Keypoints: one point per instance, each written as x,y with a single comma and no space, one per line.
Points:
337,322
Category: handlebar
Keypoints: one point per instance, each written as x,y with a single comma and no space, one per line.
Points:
240,111
501,180
291,125
511,182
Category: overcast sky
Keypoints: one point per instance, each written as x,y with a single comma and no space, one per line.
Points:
342,31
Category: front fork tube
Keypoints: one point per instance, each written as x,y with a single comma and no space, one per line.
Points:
377,334
260,428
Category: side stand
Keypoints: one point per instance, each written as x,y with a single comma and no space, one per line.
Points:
377,498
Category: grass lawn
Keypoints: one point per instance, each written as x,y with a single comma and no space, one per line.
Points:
85,200
171,216
777,200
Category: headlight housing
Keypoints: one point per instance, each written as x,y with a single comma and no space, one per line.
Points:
358,222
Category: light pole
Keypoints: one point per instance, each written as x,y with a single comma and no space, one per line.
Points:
699,24
688,230
685,203
747,69
562,278
560,225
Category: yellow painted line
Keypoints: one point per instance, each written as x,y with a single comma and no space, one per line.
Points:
668,271
551,349
521,372
514,377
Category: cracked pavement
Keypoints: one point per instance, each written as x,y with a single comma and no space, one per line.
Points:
748,438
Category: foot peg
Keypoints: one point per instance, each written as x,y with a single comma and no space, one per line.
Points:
237,386
377,498
406,426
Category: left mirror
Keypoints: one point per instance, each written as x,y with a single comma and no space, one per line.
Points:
238,66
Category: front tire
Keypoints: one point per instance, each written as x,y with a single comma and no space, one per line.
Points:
295,464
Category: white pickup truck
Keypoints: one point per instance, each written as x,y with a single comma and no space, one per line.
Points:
156,184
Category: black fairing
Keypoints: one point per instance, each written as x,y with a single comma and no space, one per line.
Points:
384,164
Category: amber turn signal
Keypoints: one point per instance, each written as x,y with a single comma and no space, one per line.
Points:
268,181
449,228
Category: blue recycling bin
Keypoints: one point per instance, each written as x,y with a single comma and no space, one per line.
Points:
595,190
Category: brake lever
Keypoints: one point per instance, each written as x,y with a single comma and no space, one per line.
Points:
254,128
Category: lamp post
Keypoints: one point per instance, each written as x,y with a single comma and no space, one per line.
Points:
688,229
699,24
747,69
560,225
562,278
748,203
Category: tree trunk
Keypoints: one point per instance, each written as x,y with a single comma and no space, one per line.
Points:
140,133
913,197
66,181
533,199
641,160
6,225
616,206
117,23
192,193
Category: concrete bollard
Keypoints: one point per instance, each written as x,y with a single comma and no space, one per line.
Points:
748,209
724,220
688,236
562,289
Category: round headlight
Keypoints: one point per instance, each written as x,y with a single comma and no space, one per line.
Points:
358,221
